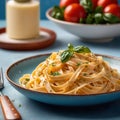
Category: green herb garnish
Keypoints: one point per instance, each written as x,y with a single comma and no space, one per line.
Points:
78,64
67,54
53,64
110,18
82,49
84,74
55,73
20,105
87,4
58,13
22,1
27,79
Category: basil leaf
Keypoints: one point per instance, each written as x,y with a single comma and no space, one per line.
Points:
66,55
110,18
98,9
58,13
70,47
82,49
90,19
99,18
87,4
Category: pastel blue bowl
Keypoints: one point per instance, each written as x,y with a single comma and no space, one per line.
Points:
27,65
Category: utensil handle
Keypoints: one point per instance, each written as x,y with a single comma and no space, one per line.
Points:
9,110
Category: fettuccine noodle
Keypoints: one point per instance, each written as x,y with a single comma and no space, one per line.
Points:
83,73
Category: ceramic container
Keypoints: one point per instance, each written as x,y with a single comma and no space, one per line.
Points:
97,33
22,19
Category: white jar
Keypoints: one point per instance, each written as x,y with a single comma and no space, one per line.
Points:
22,19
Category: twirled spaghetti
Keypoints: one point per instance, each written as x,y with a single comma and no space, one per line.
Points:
83,73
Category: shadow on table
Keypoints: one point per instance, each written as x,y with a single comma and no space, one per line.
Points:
62,44
115,43
103,111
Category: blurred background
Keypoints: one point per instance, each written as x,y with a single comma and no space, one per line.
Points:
44,5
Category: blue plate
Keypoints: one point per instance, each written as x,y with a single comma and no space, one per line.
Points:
27,65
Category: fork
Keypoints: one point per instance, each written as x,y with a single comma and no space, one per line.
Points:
9,110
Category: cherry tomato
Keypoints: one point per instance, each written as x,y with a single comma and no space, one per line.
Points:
113,8
94,2
74,12
65,3
104,3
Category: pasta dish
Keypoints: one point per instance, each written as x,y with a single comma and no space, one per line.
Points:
75,71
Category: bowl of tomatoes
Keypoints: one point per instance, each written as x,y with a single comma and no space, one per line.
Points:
91,20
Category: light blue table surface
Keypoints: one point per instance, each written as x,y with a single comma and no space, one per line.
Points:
32,110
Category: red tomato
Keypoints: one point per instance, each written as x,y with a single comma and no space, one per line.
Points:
65,3
74,12
94,2
104,3
113,8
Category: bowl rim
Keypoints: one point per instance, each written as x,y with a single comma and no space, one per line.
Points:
47,54
48,12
